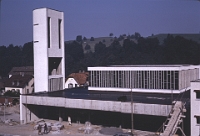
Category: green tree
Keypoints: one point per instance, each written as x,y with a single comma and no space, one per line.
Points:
79,38
92,39
99,48
111,34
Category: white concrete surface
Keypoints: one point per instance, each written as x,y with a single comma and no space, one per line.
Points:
47,45
114,106
195,108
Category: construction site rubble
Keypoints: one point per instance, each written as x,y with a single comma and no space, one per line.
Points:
43,126
87,129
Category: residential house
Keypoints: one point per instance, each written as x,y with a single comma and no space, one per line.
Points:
25,70
20,83
77,80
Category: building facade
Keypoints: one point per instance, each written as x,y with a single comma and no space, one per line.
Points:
143,78
195,108
20,83
49,60
77,80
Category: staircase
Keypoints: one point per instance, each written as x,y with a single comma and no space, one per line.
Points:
175,119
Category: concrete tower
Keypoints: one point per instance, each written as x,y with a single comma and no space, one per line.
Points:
49,60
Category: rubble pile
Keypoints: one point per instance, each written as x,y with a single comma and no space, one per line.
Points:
87,129
11,122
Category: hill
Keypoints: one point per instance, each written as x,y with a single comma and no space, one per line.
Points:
105,40
193,37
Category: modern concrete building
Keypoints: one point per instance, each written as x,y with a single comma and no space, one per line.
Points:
49,60
143,78
195,108
150,86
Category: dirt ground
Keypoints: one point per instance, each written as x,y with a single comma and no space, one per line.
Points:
12,126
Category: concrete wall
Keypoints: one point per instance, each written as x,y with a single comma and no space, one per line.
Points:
42,52
124,107
40,49
195,108
26,115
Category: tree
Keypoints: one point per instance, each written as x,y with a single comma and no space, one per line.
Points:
137,35
27,54
84,38
92,39
79,38
87,47
100,47
111,34
12,94
75,50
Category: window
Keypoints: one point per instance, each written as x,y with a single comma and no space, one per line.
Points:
59,32
27,91
70,85
49,31
198,119
197,94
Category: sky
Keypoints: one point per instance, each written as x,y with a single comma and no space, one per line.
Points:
99,18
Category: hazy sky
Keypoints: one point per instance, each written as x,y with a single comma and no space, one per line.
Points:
98,18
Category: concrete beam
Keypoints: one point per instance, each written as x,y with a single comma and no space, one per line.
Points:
113,106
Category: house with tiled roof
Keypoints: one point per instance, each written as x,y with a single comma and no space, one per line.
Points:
77,80
25,70
20,83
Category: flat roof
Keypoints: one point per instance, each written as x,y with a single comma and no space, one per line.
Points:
144,67
84,93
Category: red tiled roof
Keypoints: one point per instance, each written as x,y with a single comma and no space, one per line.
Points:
18,81
81,78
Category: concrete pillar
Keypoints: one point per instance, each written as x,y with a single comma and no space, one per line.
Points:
22,112
60,115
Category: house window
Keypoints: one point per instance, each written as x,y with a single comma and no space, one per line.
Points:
70,85
27,91
197,94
